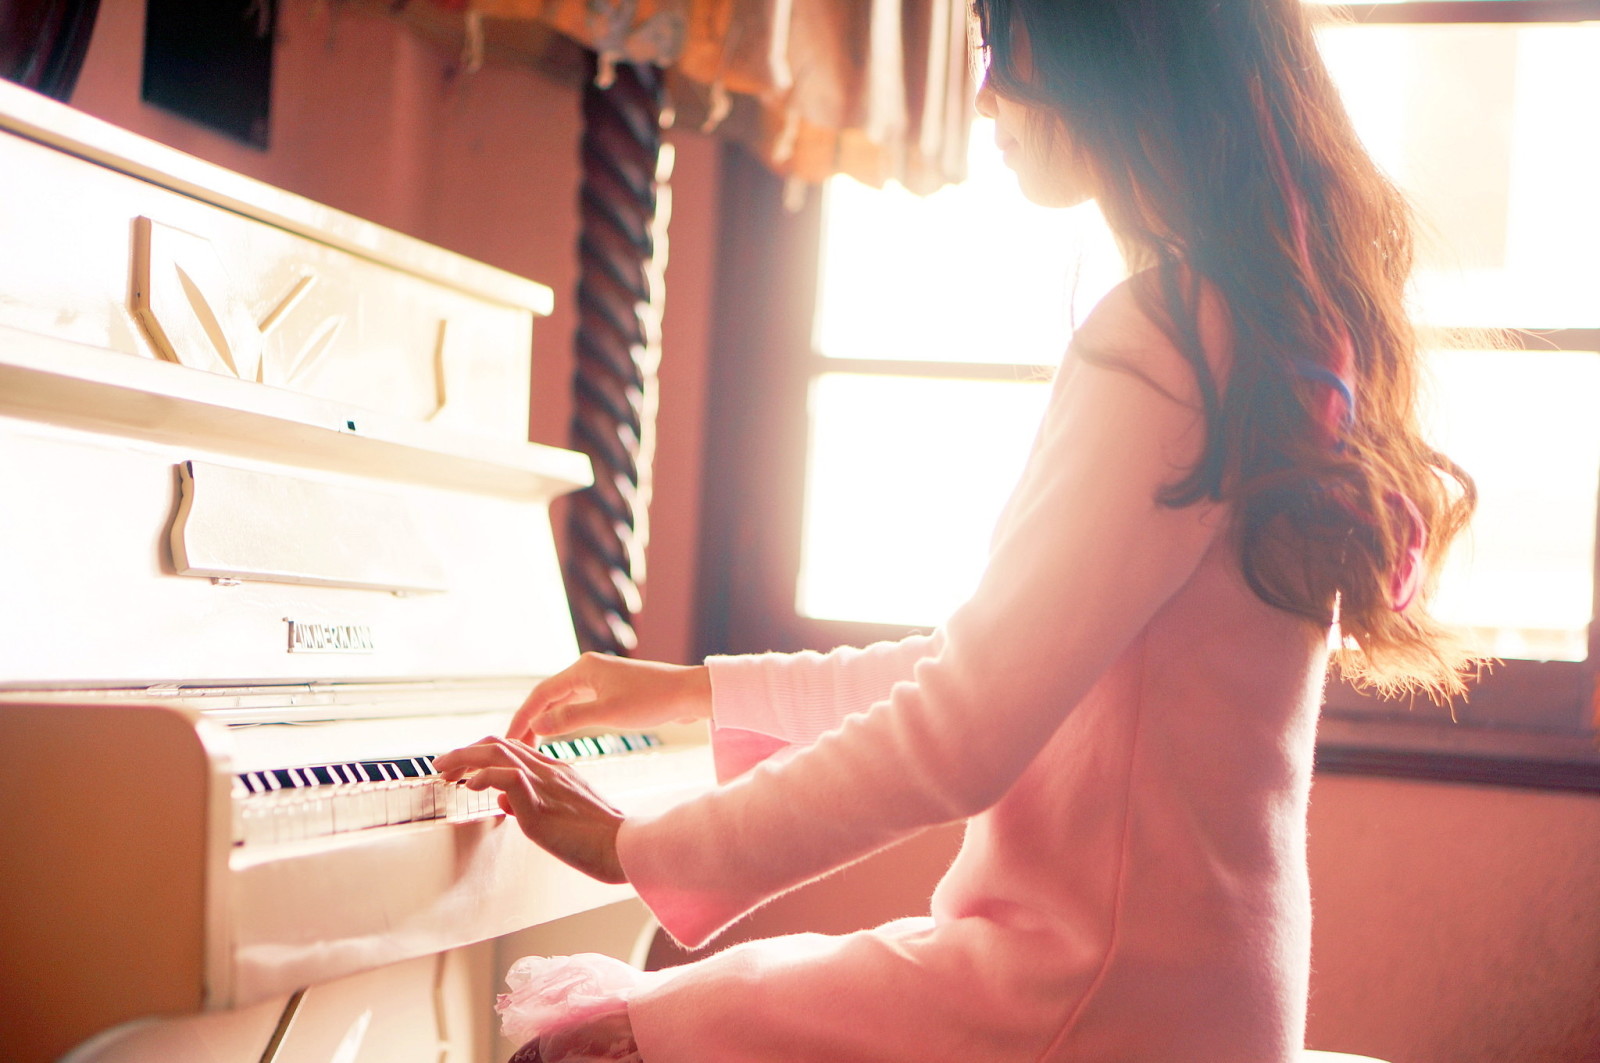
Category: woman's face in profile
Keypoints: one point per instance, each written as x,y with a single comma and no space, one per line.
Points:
1049,169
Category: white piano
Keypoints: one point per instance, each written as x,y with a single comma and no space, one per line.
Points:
271,536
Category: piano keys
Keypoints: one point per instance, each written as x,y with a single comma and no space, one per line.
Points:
273,805
275,539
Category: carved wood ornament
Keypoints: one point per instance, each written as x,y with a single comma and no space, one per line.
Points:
622,253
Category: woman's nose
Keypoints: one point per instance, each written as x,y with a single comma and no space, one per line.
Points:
986,100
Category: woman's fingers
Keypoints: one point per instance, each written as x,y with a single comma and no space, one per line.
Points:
547,698
551,802
599,690
456,763
487,752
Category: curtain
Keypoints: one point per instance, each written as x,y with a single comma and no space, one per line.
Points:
877,89
42,42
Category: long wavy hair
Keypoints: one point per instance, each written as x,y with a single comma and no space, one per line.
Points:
1225,161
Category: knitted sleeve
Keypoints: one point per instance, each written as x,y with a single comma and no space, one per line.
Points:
767,703
1083,559
798,697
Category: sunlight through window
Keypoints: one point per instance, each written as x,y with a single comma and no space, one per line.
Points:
1479,124
973,293
907,470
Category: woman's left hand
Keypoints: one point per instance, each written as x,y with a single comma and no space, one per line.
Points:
607,1039
551,802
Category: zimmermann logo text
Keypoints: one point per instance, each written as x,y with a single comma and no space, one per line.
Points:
329,638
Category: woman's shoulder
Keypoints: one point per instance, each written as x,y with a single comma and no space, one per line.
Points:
1133,328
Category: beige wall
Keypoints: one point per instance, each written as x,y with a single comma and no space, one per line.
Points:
371,118
1453,924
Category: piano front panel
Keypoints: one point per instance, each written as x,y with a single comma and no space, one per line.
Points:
103,603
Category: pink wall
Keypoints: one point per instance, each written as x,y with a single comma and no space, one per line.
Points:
371,118
1455,924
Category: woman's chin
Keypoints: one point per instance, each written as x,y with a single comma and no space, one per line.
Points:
1056,194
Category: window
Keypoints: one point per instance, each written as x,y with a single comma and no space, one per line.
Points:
1481,111
920,420
1478,110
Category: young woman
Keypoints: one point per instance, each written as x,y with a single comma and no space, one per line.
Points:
1229,470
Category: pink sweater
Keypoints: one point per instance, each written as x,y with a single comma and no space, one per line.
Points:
1126,729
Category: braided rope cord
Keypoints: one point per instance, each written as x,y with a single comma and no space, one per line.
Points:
625,203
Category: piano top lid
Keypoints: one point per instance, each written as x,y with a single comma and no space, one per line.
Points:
38,118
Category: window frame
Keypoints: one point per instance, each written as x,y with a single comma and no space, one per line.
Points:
1527,723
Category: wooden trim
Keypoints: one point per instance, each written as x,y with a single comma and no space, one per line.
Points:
1467,11
1458,753
1557,339
1459,768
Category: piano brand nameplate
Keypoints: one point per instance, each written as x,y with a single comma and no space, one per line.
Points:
247,525
311,637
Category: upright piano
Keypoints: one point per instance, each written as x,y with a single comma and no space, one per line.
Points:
272,537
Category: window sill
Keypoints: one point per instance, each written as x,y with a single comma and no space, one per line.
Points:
1433,751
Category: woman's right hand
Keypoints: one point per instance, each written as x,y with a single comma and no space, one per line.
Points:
616,693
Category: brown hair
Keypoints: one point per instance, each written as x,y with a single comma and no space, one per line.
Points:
1226,163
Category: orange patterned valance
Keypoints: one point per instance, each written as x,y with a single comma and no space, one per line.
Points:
878,89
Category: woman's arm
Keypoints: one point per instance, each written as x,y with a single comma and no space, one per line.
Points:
1085,557
792,697
798,697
